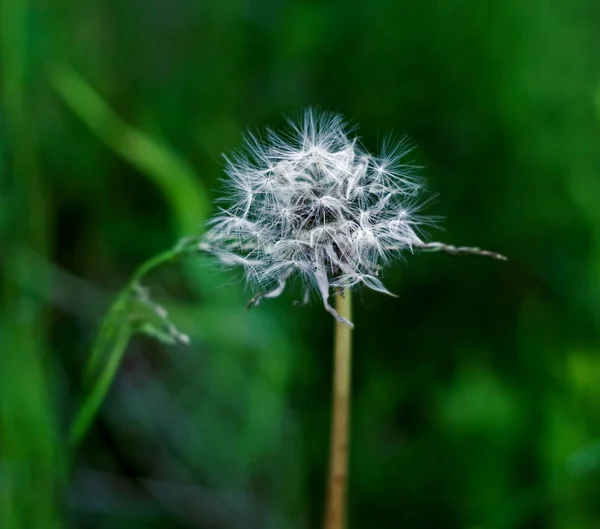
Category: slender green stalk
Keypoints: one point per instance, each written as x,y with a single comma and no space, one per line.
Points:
335,510
111,342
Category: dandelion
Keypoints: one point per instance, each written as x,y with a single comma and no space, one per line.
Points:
313,203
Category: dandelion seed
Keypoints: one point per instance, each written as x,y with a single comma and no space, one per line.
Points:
313,203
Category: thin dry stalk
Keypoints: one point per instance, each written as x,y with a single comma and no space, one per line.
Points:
335,513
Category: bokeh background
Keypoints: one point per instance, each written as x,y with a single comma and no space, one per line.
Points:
476,392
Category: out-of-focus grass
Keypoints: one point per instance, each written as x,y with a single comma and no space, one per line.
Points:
182,188
32,466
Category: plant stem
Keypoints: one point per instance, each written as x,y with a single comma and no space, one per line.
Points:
335,513
109,346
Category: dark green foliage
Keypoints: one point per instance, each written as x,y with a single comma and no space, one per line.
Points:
477,391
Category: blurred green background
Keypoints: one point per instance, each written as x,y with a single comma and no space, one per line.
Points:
476,392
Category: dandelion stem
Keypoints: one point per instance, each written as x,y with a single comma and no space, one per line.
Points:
340,417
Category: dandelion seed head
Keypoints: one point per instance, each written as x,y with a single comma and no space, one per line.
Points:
312,202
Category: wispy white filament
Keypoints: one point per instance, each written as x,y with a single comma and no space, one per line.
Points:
312,202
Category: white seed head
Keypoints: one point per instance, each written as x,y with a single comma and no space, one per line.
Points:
312,202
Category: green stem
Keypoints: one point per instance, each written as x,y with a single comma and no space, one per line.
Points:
110,345
335,510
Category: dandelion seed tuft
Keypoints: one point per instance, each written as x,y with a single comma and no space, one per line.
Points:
312,202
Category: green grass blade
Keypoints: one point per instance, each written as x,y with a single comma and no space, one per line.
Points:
171,174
